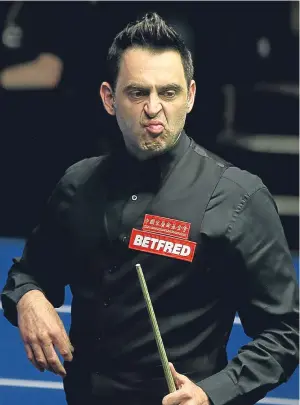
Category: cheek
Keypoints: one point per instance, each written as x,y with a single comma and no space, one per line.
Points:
128,117
177,113
130,111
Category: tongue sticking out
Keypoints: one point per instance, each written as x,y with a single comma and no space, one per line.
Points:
155,129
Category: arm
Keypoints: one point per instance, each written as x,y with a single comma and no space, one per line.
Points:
48,258
35,283
44,263
44,72
268,308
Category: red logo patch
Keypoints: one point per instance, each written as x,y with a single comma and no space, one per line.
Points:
162,245
166,226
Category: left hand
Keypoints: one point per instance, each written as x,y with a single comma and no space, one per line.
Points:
187,392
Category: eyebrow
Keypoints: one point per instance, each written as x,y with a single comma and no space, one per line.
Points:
139,86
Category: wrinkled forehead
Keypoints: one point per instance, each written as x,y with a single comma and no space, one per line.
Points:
151,68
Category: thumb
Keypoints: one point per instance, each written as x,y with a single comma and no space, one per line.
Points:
179,379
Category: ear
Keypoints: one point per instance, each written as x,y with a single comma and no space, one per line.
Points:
191,96
106,94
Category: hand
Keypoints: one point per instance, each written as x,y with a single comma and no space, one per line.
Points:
41,330
187,392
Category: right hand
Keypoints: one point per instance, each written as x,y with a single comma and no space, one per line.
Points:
42,330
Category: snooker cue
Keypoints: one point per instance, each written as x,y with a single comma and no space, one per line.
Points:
157,335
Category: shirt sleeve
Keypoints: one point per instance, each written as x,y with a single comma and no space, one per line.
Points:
44,262
268,307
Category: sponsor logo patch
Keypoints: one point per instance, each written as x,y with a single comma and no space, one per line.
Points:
166,226
163,245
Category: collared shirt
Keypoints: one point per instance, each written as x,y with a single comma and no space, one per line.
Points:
242,264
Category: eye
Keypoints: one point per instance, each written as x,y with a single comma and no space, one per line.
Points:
136,94
170,93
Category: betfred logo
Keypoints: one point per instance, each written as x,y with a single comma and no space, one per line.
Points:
166,226
162,245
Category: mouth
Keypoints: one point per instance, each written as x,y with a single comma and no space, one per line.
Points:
154,128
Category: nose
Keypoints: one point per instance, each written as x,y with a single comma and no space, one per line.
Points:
153,106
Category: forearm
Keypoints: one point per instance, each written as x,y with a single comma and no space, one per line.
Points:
258,368
47,259
41,73
42,267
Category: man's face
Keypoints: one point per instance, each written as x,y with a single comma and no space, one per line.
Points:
151,100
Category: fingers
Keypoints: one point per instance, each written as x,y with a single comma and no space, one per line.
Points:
41,351
43,356
41,330
53,361
179,379
70,346
38,356
31,358
64,347
69,349
176,398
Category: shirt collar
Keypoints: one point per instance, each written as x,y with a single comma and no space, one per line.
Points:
168,159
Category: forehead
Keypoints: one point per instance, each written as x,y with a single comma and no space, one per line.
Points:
150,68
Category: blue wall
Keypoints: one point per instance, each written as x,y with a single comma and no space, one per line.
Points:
21,383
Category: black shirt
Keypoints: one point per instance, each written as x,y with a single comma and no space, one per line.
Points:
242,264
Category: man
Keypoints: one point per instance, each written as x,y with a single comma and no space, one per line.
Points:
208,238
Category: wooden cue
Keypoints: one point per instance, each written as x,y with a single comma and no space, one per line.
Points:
157,335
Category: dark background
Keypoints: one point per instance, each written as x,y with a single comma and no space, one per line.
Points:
242,44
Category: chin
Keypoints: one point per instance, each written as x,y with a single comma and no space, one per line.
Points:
157,143
153,146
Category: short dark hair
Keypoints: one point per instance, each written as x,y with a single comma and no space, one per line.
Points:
153,33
